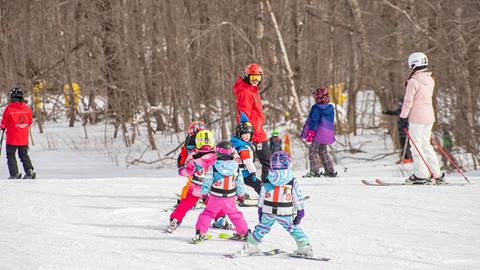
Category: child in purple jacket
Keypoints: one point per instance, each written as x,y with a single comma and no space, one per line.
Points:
319,130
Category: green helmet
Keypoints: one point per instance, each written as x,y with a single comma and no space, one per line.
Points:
275,132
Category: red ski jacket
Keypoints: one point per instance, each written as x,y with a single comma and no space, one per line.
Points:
17,117
250,103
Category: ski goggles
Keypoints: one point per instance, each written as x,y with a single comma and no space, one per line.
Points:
255,77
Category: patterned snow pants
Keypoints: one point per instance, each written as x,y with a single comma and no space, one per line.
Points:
317,153
286,222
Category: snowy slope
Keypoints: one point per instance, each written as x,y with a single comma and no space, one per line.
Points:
85,213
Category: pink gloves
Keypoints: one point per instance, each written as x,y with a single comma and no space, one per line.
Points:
310,135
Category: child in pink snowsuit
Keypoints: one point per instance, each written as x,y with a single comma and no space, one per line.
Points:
198,165
224,186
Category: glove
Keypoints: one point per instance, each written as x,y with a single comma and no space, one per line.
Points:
260,213
388,113
310,135
298,218
241,199
204,198
190,167
253,176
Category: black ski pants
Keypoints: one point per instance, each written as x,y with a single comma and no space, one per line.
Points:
262,153
12,160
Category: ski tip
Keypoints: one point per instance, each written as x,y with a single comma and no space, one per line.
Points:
368,183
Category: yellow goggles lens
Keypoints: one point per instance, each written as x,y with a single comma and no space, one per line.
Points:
255,77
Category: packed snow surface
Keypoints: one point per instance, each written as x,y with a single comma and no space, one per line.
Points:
86,213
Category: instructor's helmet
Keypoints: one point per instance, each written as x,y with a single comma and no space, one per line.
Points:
225,150
243,128
253,72
417,60
205,140
280,160
16,92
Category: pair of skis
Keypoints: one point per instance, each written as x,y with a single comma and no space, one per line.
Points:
277,251
379,182
209,236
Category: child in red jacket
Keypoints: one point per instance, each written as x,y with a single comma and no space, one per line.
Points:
17,118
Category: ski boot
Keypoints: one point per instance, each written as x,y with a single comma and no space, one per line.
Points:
440,180
30,175
304,251
18,176
311,174
249,247
239,237
199,237
334,174
199,205
172,226
414,180
222,223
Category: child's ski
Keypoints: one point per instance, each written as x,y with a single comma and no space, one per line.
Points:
263,253
379,182
228,236
368,183
277,252
315,258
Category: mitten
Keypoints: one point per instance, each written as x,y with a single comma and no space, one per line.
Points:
310,135
190,167
241,199
298,218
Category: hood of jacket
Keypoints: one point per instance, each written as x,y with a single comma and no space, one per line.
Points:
279,177
423,77
226,167
242,85
18,104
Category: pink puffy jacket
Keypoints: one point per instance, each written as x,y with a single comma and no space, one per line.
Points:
417,103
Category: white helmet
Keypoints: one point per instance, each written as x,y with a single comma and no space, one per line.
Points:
417,59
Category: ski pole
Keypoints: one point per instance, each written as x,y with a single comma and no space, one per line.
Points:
418,151
1,141
341,164
403,170
338,161
404,150
450,159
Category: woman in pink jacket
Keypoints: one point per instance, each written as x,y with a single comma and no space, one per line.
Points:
418,108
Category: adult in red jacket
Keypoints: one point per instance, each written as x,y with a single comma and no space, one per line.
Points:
250,103
17,118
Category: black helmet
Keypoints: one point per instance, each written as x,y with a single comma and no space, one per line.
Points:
243,128
16,92
225,150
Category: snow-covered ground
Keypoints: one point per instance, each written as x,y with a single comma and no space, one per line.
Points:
84,212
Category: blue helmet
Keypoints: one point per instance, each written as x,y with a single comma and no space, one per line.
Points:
280,160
